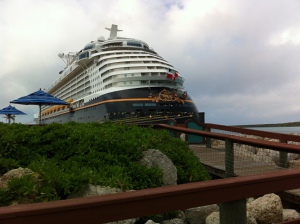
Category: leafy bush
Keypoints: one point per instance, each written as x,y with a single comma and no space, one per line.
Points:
65,157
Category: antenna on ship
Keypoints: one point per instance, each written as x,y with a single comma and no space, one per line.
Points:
113,31
67,58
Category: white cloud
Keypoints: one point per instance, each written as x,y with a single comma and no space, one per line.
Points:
288,36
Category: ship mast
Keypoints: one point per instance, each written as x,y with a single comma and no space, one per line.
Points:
113,31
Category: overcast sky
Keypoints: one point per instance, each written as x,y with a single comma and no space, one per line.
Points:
240,59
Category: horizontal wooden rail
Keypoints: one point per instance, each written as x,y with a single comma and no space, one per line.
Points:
236,139
120,206
279,136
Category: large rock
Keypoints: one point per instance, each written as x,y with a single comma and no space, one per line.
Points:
294,163
127,221
214,218
94,190
174,221
16,173
153,157
266,209
290,214
151,222
198,215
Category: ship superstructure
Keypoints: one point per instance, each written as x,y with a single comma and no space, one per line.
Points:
119,79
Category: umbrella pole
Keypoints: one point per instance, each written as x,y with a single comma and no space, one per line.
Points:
40,114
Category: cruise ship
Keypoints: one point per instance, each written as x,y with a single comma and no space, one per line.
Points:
120,79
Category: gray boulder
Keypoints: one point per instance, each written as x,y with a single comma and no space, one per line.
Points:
15,173
153,157
198,215
94,190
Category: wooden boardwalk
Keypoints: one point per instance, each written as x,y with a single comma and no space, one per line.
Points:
214,162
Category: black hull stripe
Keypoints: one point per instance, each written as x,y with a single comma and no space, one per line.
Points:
104,102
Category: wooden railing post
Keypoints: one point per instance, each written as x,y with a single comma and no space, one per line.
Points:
283,157
233,211
229,158
208,140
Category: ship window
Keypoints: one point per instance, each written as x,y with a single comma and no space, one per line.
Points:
88,46
83,55
135,44
137,104
150,104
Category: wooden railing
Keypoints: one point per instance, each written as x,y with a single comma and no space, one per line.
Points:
279,146
280,136
120,206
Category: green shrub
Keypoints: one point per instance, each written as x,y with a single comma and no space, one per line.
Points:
67,156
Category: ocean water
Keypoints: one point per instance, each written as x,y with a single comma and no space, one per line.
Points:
284,130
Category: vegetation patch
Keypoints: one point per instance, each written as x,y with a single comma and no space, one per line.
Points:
66,157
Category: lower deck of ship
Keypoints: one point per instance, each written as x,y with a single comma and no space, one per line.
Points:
130,106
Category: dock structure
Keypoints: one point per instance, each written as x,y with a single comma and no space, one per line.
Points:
214,161
228,151
244,165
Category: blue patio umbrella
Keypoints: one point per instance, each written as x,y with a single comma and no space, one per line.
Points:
39,98
10,112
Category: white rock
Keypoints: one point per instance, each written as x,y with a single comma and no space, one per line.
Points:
295,163
174,221
94,190
151,222
290,214
266,209
15,173
127,221
213,218
182,136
